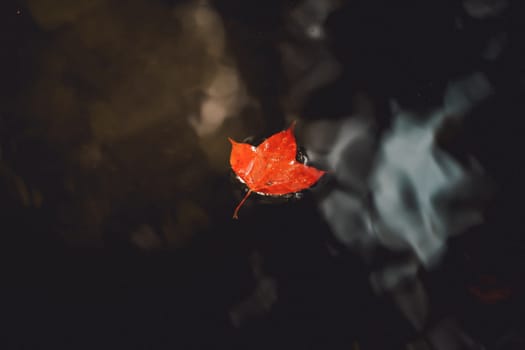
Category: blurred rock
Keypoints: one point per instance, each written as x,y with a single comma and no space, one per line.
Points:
446,335
260,301
401,192
137,111
484,8
189,219
146,238
307,62
55,13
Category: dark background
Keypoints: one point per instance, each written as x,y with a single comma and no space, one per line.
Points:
83,126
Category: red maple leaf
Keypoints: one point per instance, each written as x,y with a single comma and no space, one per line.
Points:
271,168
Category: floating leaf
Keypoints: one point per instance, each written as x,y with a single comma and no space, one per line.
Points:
271,168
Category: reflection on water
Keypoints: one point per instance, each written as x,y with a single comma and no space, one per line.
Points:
116,193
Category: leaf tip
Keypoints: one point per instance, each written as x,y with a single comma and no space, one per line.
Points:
292,126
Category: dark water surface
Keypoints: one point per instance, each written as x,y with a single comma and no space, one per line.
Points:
116,194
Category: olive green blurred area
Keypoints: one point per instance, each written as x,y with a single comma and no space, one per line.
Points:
115,120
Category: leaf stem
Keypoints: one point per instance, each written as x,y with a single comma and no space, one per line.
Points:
240,204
